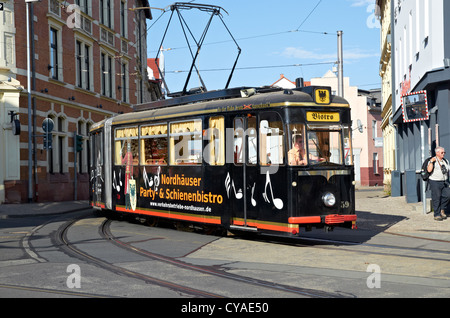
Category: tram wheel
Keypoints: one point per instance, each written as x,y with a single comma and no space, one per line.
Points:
181,226
152,222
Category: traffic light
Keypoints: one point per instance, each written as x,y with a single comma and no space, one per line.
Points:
48,141
79,143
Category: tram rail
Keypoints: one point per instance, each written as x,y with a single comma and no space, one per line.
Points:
209,270
104,229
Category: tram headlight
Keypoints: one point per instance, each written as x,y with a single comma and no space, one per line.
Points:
329,199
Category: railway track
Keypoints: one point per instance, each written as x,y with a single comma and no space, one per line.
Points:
206,272
71,249
92,239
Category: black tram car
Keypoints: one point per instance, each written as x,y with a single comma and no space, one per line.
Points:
270,161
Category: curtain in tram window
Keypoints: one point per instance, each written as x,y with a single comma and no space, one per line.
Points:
118,152
183,127
127,132
217,141
154,130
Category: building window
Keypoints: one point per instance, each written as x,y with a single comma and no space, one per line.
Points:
79,65
50,153
83,65
375,163
61,143
123,19
81,155
84,5
105,13
57,155
124,82
103,65
87,66
107,75
55,7
110,77
374,129
54,53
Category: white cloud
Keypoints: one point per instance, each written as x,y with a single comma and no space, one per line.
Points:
349,54
361,3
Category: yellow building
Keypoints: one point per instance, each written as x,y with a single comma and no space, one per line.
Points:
383,12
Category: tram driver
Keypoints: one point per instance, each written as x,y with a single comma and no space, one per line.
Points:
297,155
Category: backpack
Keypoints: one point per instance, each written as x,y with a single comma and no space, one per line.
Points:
424,172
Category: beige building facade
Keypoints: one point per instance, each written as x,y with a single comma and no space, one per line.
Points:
383,11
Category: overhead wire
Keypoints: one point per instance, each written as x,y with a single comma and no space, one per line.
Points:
266,34
257,67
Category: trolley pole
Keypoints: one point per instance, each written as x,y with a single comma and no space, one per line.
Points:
340,65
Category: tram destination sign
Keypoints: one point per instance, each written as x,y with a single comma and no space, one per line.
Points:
323,117
415,107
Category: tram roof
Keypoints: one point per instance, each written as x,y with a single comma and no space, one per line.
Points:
201,104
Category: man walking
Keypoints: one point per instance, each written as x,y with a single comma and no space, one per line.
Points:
438,168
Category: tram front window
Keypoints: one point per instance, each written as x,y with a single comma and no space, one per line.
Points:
316,145
324,145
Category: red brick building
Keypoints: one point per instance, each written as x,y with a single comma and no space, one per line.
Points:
89,63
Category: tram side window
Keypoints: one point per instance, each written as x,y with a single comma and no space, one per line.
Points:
271,140
252,141
238,141
154,145
186,143
245,141
348,155
126,146
215,150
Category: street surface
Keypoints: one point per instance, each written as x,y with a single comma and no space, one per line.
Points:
83,254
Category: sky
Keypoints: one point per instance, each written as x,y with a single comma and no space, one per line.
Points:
297,38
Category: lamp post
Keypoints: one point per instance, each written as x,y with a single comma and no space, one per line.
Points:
341,65
30,150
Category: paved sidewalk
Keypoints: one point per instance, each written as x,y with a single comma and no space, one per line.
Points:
375,210
40,209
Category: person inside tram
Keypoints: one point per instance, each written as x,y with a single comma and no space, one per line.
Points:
297,155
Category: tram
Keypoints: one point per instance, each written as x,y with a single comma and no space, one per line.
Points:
263,160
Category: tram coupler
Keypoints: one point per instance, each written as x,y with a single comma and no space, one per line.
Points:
328,228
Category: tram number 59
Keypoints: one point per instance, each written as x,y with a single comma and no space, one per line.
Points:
345,204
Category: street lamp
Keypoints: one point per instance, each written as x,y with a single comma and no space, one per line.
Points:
30,152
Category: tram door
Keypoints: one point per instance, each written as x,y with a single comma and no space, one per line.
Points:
97,173
245,171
